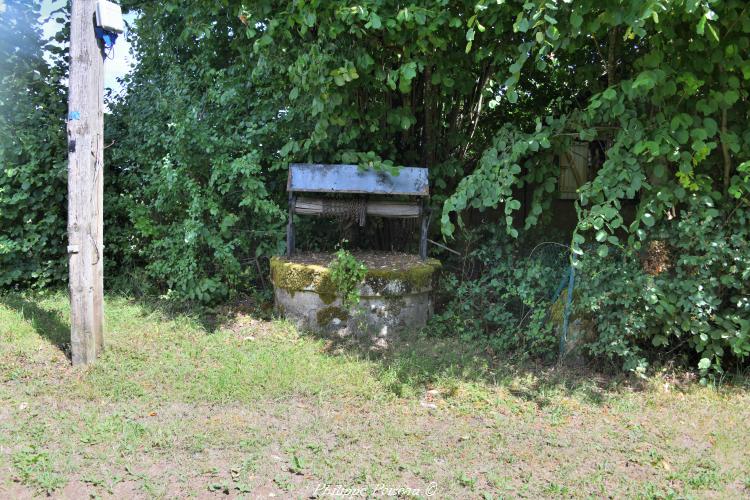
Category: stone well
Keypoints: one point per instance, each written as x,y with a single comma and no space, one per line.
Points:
394,297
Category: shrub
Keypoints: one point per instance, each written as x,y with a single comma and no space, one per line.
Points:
503,295
696,300
33,153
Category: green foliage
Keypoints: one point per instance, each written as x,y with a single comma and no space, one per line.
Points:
347,274
700,301
664,87
34,468
505,300
486,94
32,151
380,83
193,201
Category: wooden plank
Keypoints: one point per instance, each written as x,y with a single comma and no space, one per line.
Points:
319,178
425,226
85,186
379,208
574,170
290,243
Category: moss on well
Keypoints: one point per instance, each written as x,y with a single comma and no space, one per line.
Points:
394,306
327,314
416,277
293,276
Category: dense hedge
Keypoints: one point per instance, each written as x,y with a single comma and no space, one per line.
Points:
33,179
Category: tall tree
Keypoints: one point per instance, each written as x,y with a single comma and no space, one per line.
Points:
32,147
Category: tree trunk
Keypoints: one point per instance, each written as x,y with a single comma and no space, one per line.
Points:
612,57
725,152
428,148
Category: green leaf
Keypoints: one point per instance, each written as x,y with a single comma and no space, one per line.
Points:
700,28
374,21
576,20
409,70
659,340
310,19
731,97
714,33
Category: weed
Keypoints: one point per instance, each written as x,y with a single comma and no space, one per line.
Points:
652,491
347,274
34,469
705,475
220,488
298,465
466,481
242,487
283,483
556,489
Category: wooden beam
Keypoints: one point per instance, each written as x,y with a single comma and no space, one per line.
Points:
379,208
425,226
85,126
290,243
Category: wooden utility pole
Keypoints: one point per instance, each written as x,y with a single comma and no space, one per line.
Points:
85,185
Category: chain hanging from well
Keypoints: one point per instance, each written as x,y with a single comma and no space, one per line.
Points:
351,209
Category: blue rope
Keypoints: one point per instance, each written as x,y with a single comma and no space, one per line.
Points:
568,304
568,277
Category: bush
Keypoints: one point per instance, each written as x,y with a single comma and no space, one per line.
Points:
33,154
503,295
192,202
695,299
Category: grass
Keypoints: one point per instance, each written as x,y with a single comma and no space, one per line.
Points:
252,408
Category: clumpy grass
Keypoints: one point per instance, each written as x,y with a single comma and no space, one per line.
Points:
149,355
177,360
252,406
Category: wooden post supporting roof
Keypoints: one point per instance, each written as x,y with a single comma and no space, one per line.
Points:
85,126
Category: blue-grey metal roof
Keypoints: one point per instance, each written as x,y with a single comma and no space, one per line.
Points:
308,177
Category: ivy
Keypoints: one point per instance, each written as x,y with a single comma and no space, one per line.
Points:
663,85
347,274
